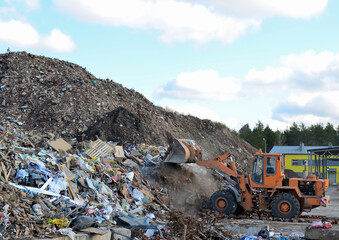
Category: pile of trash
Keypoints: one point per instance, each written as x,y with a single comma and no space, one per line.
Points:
49,94
63,98
49,186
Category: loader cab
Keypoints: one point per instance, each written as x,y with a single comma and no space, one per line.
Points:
268,169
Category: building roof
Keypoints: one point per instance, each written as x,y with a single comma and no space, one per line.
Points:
326,151
301,149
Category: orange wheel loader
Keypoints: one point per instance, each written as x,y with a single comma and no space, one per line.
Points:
266,188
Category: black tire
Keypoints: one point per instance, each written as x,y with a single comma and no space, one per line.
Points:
285,205
223,201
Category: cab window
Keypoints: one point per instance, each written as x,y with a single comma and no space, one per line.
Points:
270,165
257,176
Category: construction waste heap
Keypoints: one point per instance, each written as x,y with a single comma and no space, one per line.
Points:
82,154
85,155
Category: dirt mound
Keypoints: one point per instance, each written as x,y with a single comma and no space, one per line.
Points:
50,95
127,128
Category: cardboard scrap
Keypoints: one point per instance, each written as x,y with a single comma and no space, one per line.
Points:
119,152
60,145
70,176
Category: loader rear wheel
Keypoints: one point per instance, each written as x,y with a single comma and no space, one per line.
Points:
285,205
223,201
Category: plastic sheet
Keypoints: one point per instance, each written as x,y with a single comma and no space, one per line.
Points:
58,184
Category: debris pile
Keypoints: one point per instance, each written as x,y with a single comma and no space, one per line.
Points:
44,93
50,95
62,188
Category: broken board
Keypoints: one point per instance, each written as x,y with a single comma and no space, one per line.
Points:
119,152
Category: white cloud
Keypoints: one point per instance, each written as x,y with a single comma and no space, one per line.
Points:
201,85
269,75
319,104
309,108
310,63
177,21
305,72
307,119
58,41
203,112
196,110
17,33
188,20
232,123
277,125
299,88
268,8
31,4
306,87
272,123
308,70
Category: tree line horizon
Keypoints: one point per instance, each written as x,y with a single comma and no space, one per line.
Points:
265,138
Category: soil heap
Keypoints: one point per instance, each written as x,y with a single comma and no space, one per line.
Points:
54,96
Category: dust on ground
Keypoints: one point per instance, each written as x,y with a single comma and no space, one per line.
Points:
189,186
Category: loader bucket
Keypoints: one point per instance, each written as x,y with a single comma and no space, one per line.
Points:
183,151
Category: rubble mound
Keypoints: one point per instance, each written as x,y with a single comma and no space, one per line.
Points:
47,192
126,127
55,96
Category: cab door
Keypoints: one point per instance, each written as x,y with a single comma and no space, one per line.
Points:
270,172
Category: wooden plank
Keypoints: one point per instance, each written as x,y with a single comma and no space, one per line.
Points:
9,173
5,171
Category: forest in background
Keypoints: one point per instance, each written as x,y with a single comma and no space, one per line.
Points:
265,138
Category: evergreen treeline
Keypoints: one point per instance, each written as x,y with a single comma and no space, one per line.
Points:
314,135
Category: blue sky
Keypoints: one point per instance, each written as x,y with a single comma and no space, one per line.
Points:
235,62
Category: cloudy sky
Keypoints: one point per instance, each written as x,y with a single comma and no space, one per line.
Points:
235,62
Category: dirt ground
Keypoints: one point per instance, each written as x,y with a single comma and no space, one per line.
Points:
247,227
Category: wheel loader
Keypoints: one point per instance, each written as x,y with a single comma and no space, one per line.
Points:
266,188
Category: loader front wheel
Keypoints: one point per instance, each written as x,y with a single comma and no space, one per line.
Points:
285,205
223,201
